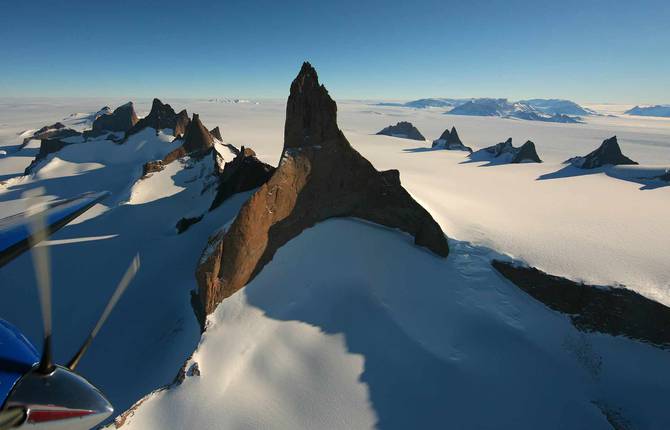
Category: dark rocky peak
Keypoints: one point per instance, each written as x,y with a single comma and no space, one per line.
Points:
505,152
122,119
311,115
501,148
526,154
451,141
608,153
245,172
216,133
161,116
404,130
320,176
181,124
197,139
197,143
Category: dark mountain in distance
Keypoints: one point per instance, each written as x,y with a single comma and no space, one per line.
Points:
404,130
547,110
608,153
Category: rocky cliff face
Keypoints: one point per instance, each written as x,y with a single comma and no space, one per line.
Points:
122,119
216,133
403,129
608,152
162,116
198,142
245,172
320,176
451,141
612,310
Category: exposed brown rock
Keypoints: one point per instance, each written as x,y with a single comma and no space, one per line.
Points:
122,119
320,176
181,124
152,166
54,143
197,139
245,172
161,116
55,130
216,133
197,143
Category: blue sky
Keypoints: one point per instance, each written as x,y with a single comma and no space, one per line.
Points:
589,51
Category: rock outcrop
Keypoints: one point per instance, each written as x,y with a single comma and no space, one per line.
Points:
615,311
181,124
55,130
122,119
608,153
216,133
162,116
53,139
526,154
198,142
506,152
245,172
403,129
451,141
320,176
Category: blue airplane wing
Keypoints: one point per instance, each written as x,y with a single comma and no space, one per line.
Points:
17,356
15,230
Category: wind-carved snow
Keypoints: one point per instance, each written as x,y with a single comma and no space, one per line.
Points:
338,332
456,320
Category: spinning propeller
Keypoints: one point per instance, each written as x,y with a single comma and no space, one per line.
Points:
43,395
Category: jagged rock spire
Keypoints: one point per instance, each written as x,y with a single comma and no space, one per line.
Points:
161,116
320,176
197,138
311,115
608,152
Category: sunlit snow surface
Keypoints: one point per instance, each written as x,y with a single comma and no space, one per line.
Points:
350,325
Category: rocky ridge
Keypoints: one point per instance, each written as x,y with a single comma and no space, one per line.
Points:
320,176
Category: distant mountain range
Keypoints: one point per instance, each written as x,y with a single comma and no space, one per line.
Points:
548,110
656,110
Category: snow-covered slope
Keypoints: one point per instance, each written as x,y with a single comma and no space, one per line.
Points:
339,332
592,227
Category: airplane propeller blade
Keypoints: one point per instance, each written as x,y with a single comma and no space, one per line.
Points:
40,254
123,284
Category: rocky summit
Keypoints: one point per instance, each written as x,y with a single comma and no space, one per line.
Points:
122,119
451,141
198,142
404,130
608,153
160,117
320,176
506,152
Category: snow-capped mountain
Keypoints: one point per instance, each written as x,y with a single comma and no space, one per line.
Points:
349,324
656,110
557,107
548,110
505,109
